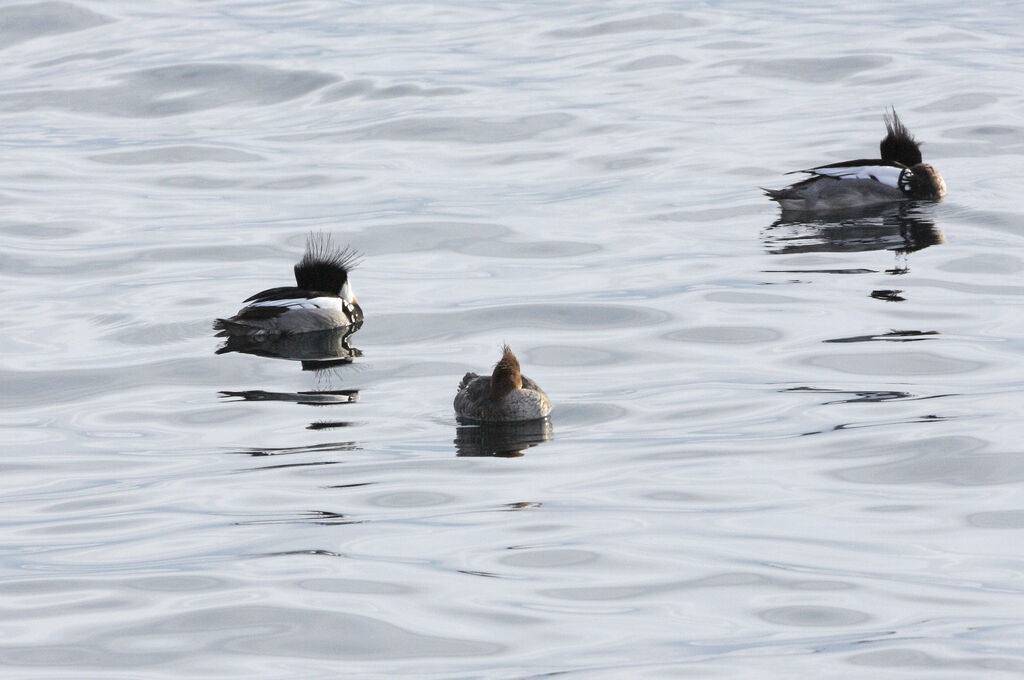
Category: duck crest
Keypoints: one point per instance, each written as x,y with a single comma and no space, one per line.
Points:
506,377
324,267
899,145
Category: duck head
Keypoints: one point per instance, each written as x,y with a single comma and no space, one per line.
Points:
326,268
506,377
922,181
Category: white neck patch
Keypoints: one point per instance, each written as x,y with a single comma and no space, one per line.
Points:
346,293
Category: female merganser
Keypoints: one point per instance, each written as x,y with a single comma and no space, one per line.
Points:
504,396
898,175
321,300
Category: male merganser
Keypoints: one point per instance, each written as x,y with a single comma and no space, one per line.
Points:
504,396
321,300
898,175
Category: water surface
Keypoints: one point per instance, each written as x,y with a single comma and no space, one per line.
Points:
788,447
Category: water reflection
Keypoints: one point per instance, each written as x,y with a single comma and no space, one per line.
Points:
316,351
867,395
322,517
310,397
504,440
325,394
891,336
902,228
327,447
321,352
329,424
889,295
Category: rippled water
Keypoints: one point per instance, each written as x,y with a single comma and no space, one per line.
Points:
779,448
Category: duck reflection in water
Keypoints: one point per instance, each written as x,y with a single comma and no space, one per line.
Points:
309,398
317,350
902,228
501,440
320,352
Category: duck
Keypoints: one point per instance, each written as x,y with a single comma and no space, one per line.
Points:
506,395
321,299
898,175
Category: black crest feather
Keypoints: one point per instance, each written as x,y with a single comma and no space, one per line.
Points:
324,267
899,145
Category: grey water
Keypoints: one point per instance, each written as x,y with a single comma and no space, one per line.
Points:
780,447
